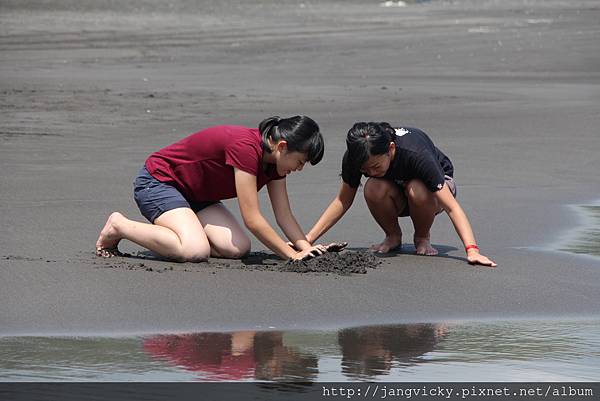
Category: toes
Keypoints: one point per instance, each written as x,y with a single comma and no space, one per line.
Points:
426,251
107,252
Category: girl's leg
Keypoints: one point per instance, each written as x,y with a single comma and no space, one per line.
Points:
423,206
386,202
176,234
227,238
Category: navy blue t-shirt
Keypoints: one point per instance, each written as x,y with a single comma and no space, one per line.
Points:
416,157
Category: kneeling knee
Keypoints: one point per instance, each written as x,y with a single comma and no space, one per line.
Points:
238,250
237,253
193,255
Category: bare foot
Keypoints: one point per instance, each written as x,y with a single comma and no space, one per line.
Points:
424,247
388,244
107,243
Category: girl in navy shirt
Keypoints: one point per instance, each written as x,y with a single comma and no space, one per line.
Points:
408,176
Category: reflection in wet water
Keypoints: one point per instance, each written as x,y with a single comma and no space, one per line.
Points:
235,356
370,351
365,352
587,239
500,351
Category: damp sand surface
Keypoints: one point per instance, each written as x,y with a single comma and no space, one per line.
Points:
508,90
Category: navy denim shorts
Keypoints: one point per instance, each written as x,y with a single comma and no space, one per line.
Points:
154,197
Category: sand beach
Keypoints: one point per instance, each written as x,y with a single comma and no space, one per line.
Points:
509,90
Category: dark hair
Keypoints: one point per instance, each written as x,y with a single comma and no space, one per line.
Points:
300,132
367,139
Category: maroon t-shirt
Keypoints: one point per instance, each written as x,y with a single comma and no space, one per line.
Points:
201,165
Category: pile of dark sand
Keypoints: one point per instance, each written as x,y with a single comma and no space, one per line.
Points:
343,263
333,262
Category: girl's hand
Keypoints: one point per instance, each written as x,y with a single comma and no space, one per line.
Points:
333,247
336,246
310,253
475,258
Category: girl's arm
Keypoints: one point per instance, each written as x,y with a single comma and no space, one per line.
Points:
336,209
462,227
283,214
245,185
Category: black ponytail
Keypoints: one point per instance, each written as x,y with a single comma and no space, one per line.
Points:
300,132
267,130
367,139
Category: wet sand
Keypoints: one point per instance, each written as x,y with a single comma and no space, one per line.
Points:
509,90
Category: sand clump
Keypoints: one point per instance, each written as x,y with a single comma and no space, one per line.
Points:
340,263
343,263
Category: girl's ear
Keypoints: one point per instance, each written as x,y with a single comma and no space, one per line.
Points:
281,145
392,146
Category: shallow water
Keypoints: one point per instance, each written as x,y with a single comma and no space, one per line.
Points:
489,351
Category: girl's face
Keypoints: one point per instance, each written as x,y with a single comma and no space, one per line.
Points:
378,165
287,161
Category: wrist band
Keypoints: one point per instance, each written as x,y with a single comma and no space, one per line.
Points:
471,247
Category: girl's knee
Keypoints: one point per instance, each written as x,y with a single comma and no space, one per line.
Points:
376,189
237,249
417,192
235,253
243,247
193,254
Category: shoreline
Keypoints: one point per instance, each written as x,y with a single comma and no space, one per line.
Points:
572,237
467,322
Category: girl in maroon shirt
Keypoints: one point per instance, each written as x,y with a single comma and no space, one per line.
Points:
180,188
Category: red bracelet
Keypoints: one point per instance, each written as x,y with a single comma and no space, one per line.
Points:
471,247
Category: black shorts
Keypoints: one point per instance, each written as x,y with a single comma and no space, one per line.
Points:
155,198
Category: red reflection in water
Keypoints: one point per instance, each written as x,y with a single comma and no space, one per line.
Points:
234,356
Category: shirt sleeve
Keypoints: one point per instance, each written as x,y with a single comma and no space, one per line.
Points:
427,168
243,154
350,175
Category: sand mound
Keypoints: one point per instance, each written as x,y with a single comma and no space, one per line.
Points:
340,263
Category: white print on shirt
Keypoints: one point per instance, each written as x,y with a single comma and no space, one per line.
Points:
400,131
